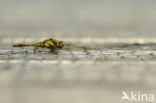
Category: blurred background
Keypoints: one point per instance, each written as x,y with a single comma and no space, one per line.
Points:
117,51
78,18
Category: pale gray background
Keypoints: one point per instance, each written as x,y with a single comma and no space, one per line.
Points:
91,18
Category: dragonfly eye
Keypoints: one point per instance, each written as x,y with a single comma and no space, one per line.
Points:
60,44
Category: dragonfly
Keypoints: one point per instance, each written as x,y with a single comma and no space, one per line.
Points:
52,44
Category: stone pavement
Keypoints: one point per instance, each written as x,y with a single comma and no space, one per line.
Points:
91,71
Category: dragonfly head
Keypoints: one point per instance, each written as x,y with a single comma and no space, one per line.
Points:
60,44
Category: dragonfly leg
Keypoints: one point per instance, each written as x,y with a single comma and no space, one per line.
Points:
35,49
53,50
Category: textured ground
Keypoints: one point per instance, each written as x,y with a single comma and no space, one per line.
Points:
87,70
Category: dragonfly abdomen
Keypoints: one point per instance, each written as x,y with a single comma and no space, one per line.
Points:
22,45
